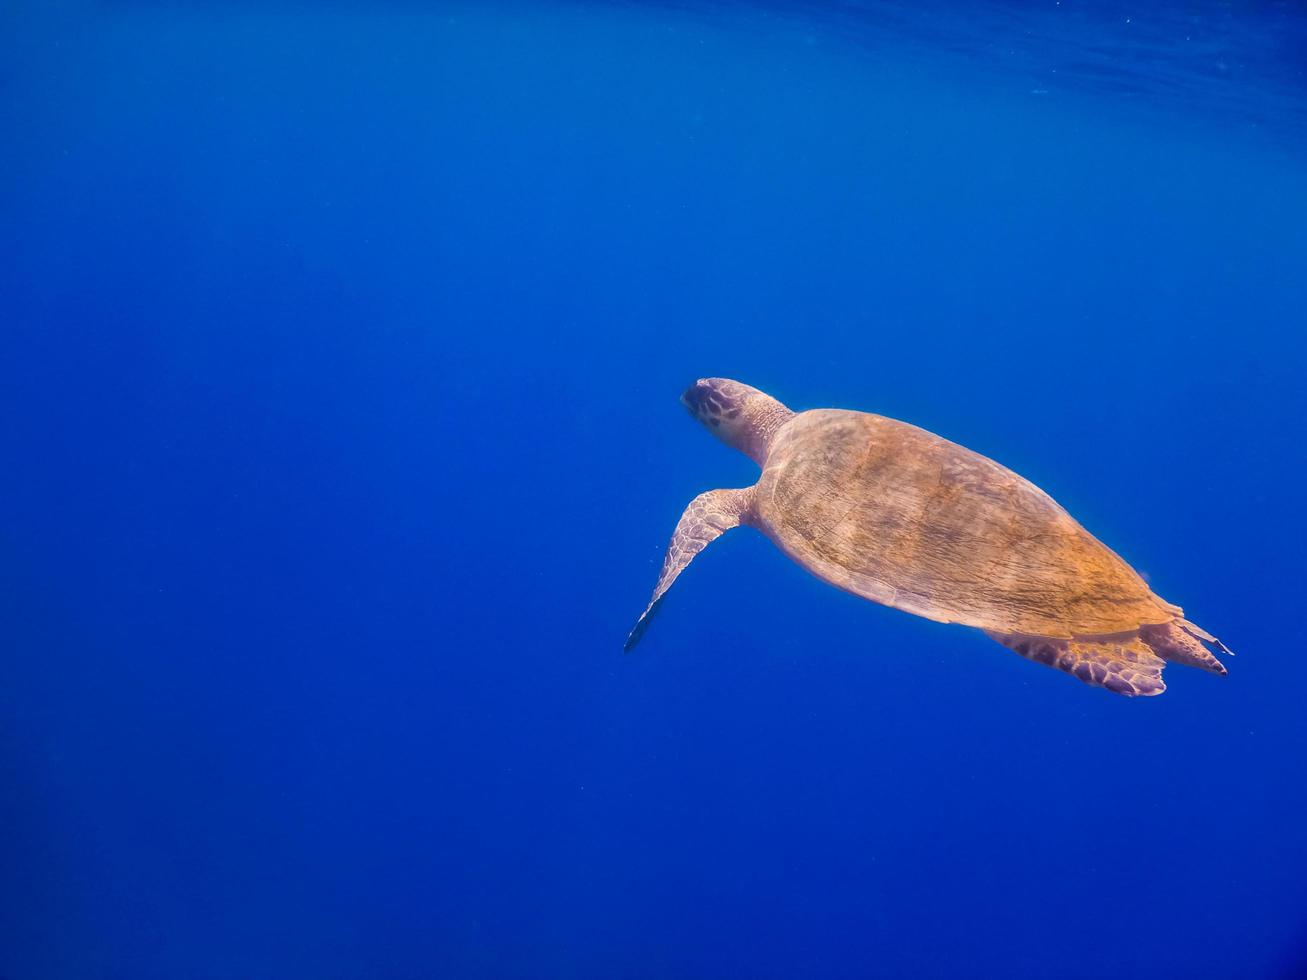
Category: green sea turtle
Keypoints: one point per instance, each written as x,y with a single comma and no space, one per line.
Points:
895,514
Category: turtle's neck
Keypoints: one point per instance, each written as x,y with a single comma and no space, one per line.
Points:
766,415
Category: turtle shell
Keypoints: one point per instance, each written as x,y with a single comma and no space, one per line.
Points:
895,514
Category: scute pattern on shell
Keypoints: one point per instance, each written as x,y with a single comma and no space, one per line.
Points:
896,514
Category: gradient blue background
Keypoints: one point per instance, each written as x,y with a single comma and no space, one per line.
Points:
340,347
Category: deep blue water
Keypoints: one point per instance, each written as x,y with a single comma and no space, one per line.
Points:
340,347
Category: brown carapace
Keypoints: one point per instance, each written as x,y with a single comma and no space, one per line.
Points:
895,514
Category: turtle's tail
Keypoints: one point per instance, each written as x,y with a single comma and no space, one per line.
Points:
1181,642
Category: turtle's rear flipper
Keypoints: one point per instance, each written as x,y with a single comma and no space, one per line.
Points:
709,515
1123,665
1179,642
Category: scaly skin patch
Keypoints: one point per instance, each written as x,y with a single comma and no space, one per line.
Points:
1124,665
709,516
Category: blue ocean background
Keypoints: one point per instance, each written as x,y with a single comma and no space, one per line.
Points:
340,349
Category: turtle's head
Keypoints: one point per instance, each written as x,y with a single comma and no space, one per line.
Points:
742,417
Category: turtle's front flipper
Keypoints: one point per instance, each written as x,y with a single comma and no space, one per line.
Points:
708,516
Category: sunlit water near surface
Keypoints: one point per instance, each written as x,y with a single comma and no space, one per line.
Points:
341,346
1245,63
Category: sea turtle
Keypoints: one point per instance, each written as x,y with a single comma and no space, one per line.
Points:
898,515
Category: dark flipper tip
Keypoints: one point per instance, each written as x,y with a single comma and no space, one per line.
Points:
641,625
